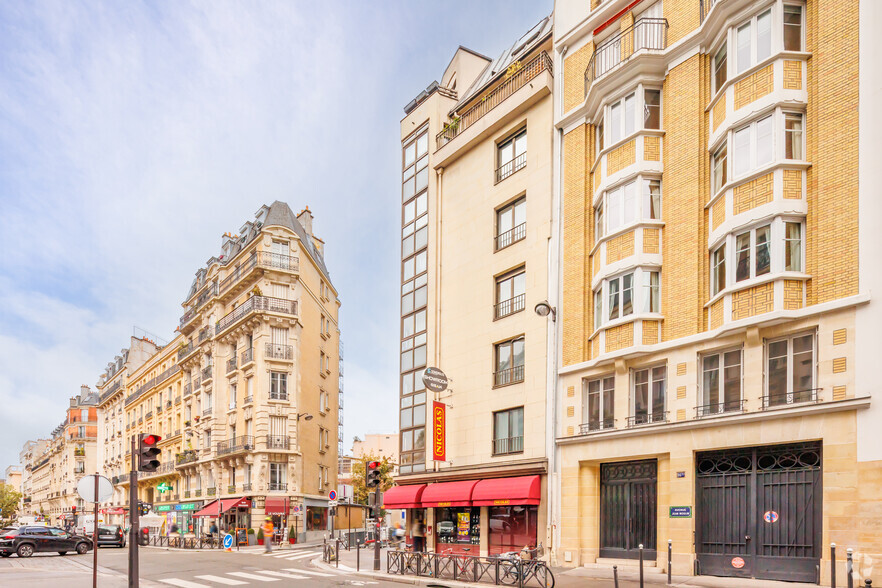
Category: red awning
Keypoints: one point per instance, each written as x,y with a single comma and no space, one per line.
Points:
276,505
211,509
403,496
505,491
449,494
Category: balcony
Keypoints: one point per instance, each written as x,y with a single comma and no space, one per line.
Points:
274,351
510,167
647,419
247,356
597,425
158,407
185,351
186,494
246,488
277,487
204,334
236,444
177,433
714,409
257,304
147,416
206,413
647,34
186,457
810,395
258,259
249,399
231,489
517,80
188,389
511,375
178,398
511,236
510,306
187,317
231,365
278,395
211,491
197,383
206,372
197,493
278,442
508,445
168,403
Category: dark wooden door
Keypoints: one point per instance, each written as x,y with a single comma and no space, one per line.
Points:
759,512
628,509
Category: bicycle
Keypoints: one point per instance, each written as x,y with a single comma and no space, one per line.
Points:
515,568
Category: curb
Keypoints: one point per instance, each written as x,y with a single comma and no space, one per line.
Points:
412,580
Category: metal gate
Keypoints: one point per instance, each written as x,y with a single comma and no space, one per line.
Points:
758,512
628,509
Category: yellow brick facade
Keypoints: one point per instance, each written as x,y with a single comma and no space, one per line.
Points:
792,75
651,148
651,241
619,337
620,247
754,87
792,184
621,157
752,194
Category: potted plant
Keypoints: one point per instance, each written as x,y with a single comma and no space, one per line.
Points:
260,536
292,536
251,539
186,423
256,291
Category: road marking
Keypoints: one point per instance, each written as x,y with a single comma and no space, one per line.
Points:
221,580
301,555
252,577
310,572
183,583
281,574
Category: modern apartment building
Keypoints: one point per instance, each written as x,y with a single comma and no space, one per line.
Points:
246,396
476,224
718,223
54,466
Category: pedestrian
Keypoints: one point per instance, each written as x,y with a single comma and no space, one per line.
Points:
268,534
212,530
419,535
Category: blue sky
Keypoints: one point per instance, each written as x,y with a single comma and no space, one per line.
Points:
133,135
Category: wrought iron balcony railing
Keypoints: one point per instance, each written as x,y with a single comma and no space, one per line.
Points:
231,489
645,34
263,259
206,372
514,82
274,351
277,486
236,444
211,491
247,356
255,304
647,418
231,365
185,350
510,306
278,442
510,167
794,397
186,457
597,425
507,445
510,236
706,410
510,375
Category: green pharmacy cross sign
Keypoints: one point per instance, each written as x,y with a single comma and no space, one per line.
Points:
164,487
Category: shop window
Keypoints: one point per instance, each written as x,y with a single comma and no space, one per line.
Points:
458,527
512,527
316,518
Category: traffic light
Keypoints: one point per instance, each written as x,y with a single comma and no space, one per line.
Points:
73,510
143,508
372,478
148,452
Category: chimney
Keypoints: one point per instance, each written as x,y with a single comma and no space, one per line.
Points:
85,391
305,219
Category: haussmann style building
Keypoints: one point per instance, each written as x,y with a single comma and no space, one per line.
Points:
718,241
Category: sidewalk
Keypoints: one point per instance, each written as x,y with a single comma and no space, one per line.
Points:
242,549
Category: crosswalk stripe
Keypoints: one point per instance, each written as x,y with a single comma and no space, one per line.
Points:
183,583
301,556
310,572
281,574
222,580
252,577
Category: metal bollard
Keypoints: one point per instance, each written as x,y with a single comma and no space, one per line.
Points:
670,547
337,553
616,576
357,555
868,584
832,565
849,568
640,547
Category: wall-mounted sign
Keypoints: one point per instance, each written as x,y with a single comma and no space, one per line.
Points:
680,512
681,474
737,563
770,516
435,380
439,432
162,508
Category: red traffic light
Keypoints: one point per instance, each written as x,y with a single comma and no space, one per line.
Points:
372,465
151,439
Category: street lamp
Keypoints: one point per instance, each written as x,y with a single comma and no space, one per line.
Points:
545,309
306,416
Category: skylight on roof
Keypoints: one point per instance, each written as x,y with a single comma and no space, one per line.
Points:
527,39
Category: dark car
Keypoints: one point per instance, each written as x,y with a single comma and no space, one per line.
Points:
111,535
25,541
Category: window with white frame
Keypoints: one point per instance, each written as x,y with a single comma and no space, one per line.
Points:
621,205
651,298
793,247
718,168
793,27
755,245
232,396
753,41
648,395
600,135
720,383
720,68
598,308
651,199
622,120
718,270
277,477
793,136
598,404
753,146
278,385
790,370
621,296
598,221
511,155
651,109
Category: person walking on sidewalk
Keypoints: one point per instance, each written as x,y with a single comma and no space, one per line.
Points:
268,534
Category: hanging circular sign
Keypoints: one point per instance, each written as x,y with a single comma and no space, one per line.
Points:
435,380
737,563
770,516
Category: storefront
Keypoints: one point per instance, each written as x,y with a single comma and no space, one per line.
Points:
178,514
472,517
229,513
276,507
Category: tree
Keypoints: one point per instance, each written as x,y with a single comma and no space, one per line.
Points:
358,487
9,501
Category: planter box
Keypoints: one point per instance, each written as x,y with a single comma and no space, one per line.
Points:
252,540
260,541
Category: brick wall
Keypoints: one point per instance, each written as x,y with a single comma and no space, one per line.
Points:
754,87
650,241
574,76
792,75
620,247
620,157
753,301
752,194
574,245
619,337
792,184
651,148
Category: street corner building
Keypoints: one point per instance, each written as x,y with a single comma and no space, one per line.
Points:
718,244
476,223
247,397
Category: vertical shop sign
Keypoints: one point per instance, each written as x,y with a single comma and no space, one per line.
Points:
439,432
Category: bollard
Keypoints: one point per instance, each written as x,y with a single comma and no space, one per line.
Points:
616,576
337,553
357,555
832,565
868,584
849,568
670,547
640,547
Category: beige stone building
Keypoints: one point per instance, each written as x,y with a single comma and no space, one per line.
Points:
476,224
717,229
52,467
246,396
380,445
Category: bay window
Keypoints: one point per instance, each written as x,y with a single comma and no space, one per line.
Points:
652,109
753,146
753,244
622,118
718,270
652,199
754,41
720,68
622,206
792,27
718,166
792,247
636,291
651,300
793,136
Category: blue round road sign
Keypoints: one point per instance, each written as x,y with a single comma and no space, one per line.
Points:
228,541
332,495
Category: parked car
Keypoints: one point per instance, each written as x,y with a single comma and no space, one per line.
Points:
25,541
111,535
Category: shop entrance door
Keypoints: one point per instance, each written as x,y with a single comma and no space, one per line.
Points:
628,509
758,512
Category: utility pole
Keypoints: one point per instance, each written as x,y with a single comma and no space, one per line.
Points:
377,498
133,518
